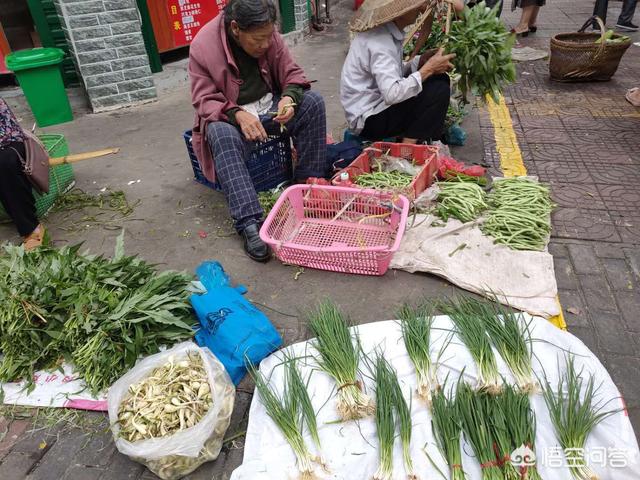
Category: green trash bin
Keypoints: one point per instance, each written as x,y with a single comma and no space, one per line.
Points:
38,73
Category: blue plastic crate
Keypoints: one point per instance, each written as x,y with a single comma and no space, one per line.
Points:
269,165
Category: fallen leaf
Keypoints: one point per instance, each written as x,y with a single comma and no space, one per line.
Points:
574,310
42,445
202,234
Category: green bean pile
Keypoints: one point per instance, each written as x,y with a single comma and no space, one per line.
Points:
520,213
384,180
462,200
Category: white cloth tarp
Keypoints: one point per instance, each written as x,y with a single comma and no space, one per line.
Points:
351,448
466,257
58,388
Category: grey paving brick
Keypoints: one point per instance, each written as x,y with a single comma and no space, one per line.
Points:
55,462
102,91
89,45
633,254
574,309
588,336
97,452
97,57
584,259
558,250
142,95
606,250
630,307
122,467
135,73
118,4
16,465
619,274
11,434
111,101
80,472
625,372
131,51
612,335
597,293
33,442
124,40
565,276
129,63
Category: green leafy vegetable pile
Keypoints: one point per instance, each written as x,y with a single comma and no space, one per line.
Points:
482,46
99,313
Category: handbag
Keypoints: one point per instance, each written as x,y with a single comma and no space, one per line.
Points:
35,162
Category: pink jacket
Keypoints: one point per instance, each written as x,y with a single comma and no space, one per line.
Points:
215,84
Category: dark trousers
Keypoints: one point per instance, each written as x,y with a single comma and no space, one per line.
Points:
421,117
230,150
15,190
600,10
628,10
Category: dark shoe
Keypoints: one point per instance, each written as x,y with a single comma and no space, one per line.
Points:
533,29
521,34
628,26
253,244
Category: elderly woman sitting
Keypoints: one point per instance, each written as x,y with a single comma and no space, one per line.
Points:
384,96
240,71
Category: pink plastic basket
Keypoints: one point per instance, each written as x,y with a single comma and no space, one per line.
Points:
336,228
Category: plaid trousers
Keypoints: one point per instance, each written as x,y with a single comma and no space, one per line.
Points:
230,150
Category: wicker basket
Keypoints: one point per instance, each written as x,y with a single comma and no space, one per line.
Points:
576,57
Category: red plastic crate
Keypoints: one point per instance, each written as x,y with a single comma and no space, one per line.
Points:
426,155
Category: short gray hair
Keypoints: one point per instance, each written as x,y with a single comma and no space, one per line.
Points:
250,14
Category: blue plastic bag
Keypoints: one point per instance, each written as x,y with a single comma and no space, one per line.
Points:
230,326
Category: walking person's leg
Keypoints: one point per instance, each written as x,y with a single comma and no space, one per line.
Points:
600,10
626,16
528,12
533,19
230,153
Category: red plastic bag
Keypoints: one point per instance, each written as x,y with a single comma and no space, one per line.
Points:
447,165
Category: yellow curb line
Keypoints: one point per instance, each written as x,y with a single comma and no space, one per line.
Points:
511,159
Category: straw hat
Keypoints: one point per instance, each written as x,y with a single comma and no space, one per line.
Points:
373,13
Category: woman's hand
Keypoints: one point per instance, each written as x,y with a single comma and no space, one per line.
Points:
251,126
438,63
285,111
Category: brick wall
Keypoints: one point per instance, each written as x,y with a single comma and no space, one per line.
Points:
301,14
108,49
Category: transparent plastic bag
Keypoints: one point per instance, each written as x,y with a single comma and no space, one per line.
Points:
174,456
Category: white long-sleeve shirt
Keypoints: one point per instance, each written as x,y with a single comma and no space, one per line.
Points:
374,77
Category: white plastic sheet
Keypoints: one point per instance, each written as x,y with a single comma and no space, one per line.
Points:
351,448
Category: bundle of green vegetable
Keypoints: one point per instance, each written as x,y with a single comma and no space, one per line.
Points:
519,214
474,414
522,429
339,358
498,418
482,46
610,37
416,323
174,397
436,39
510,334
101,313
288,413
384,180
447,429
390,402
470,329
462,200
574,414
268,199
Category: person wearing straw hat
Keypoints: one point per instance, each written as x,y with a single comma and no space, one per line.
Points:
383,96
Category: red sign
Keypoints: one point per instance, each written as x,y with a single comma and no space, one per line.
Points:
189,16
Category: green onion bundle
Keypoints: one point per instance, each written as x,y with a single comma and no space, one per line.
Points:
574,414
299,392
287,413
474,413
519,214
510,334
521,425
447,430
462,200
339,358
416,323
470,329
498,419
482,46
389,400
